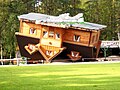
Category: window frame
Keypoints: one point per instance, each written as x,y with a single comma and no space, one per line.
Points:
51,34
49,52
32,31
57,36
78,39
45,35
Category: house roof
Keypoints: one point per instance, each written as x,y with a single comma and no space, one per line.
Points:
63,20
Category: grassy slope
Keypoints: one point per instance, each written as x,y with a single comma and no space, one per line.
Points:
64,77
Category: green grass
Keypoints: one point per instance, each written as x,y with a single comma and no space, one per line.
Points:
61,77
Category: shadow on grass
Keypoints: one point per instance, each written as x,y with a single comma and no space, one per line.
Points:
63,82
60,78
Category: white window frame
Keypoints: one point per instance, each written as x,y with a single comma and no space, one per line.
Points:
45,35
57,36
51,34
33,31
77,39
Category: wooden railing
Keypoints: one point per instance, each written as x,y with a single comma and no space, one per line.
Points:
52,48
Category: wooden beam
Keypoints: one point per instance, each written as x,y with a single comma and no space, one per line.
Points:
77,43
21,25
98,48
90,38
43,54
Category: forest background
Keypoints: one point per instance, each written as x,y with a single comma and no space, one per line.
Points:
106,12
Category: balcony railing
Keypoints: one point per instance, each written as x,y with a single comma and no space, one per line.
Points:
111,44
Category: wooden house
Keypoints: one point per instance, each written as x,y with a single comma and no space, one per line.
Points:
45,37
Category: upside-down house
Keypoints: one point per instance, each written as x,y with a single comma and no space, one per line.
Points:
46,37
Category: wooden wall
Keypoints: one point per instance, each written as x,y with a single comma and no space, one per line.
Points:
26,26
69,36
51,41
95,37
87,38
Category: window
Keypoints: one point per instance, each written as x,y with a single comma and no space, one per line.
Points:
32,31
51,34
76,38
74,54
45,34
49,53
31,47
57,36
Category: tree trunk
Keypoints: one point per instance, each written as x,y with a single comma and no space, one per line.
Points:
1,53
10,55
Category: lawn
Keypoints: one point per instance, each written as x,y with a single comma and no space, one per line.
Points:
61,77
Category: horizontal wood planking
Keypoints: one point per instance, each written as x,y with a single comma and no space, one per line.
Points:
69,35
52,41
66,35
26,29
27,35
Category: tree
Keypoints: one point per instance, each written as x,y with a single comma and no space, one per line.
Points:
56,7
104,12
9,22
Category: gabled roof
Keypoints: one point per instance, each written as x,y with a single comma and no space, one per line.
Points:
63,20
